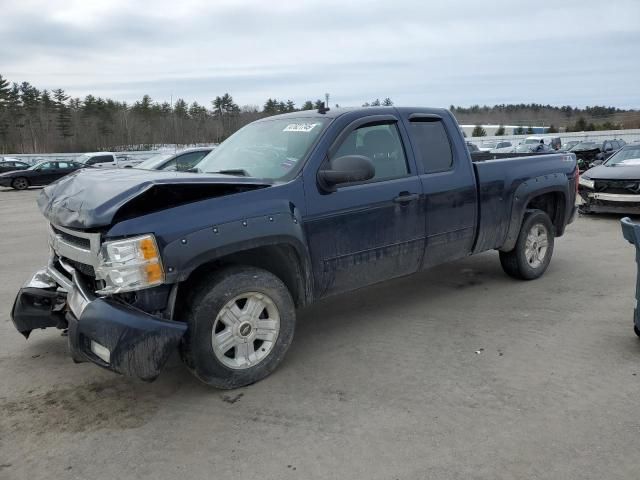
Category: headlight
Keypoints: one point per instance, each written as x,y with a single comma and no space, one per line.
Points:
587,182
130,264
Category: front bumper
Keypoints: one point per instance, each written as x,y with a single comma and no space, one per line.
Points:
609,202
104,331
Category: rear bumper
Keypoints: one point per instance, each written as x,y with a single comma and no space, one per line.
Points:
102,331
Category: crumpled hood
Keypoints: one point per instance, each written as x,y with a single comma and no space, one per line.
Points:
91,198
619,172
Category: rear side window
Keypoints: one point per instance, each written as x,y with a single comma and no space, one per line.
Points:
433,149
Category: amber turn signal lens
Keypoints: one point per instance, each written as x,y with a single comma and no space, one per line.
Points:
154,272
148,248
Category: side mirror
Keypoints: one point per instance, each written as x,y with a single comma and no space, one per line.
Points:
346,169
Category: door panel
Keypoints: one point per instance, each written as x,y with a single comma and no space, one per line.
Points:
449,186
359,235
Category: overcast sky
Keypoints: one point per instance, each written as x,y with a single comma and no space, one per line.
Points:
420,52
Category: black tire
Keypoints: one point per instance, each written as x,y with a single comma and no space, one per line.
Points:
515,263
637,332
20,183
203,307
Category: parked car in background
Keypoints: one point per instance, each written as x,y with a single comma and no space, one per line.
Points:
106,160
8,164
472,147
569,145
588,152
42,173
503,146
533,148
181,161
613,186
491,145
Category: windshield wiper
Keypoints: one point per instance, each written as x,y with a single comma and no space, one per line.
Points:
234,171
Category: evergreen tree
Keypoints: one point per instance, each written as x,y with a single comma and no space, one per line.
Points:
552,129
387,102
478,131
500,131
529,130
308,105
63,113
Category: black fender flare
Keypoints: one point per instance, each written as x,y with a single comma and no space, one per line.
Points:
533,187
182,256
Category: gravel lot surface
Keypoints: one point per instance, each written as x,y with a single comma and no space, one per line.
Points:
456,373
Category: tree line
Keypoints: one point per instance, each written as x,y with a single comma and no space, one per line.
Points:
40,121
563,118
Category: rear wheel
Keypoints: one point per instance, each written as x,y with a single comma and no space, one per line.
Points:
534,248
20,183
241,323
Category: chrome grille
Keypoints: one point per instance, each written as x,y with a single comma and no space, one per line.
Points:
79,248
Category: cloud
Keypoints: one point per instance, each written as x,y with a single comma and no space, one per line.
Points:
416,52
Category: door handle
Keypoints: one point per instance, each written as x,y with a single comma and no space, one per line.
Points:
406,197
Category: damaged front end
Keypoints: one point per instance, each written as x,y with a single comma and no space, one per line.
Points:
105,330
609,196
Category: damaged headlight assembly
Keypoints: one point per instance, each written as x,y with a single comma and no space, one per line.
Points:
130,264
587,182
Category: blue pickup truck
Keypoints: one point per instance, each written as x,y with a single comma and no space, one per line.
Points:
214,262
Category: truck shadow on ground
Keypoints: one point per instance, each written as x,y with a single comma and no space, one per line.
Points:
116,402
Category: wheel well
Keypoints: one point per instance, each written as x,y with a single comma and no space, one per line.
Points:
281,260
553,204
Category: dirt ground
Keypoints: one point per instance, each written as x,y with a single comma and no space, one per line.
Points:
456,373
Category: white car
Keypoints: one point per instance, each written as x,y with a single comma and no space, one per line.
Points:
106,160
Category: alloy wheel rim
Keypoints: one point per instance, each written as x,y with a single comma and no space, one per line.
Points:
536,245
21,183
245,330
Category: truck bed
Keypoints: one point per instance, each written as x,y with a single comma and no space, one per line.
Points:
503,186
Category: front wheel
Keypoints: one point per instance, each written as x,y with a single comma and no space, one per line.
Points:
241,324
20,183
534,247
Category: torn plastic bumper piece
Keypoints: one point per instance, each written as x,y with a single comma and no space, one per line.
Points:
110,334
631,233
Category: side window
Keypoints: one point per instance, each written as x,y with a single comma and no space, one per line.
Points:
170,165
607,146
382,144
65,165
188,160
433,149
49,166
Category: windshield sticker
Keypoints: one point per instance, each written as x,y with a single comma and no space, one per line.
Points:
300,127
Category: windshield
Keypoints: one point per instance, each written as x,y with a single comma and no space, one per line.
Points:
530,141
152,162
585,146
626,156
37,166
489,144
268,149
83,158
